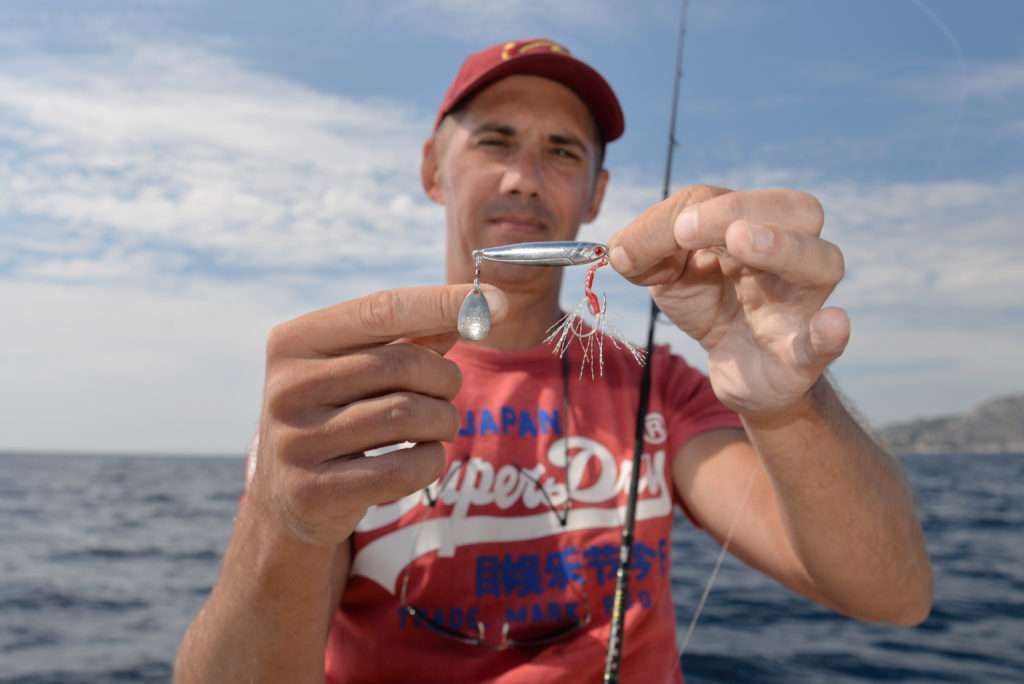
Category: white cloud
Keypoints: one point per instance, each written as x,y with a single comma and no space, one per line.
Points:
93,368
993,79
962,79
897,368
186,147
97,367
916,244
942,244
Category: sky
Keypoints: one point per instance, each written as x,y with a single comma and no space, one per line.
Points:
177,177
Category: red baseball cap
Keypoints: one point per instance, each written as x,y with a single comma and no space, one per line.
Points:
537,57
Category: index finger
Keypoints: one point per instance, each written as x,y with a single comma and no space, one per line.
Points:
648,240
382,317
705,224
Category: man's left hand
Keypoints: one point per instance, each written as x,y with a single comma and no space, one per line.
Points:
746,275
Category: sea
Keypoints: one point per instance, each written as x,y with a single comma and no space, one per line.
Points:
106,559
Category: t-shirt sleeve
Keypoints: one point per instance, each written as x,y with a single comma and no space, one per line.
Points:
690,407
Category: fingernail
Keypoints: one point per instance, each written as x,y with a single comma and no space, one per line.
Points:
496,300
620,260
761,238
686,226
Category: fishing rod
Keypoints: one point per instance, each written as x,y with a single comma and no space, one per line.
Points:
616,635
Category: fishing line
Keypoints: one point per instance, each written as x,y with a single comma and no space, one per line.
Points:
950,36
718,562
961,80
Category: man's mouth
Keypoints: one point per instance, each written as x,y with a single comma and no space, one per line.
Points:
518,223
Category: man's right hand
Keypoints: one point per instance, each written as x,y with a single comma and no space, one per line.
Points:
361,374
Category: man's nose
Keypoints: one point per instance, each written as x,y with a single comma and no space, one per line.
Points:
524,175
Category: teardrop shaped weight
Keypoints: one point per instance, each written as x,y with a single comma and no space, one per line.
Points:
474,316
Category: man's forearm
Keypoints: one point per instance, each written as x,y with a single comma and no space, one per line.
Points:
267,618
847,508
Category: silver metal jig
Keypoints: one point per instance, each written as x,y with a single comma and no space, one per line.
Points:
562,253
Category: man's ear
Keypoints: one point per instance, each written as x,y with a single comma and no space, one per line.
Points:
597,196
430,172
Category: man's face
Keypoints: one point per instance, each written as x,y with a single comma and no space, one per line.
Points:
517,164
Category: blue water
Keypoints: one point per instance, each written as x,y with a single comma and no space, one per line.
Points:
105,560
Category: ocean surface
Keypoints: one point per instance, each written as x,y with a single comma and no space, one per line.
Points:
106,559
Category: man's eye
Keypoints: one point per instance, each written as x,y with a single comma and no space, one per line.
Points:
566,153
493,142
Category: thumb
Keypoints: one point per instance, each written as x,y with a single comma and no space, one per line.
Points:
827,335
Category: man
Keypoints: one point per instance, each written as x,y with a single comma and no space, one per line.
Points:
502,569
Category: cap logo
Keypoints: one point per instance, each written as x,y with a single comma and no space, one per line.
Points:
512,49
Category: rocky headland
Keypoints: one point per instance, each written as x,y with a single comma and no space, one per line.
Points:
994,426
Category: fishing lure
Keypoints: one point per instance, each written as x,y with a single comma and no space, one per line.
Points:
474,321
556,253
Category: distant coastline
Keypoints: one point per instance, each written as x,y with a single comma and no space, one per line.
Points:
994,426
113,453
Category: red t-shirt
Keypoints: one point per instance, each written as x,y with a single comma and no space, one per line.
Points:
492,550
